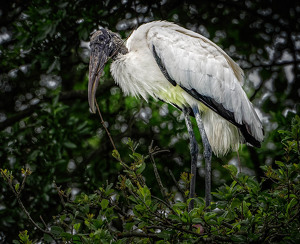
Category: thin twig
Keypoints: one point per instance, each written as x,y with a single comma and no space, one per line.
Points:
23,184
137,234
43,221
59,194
239,162
137,198
177,185
160,184
227,225
200,235
32,221
160,151
103,124
118,209
17,195
165,203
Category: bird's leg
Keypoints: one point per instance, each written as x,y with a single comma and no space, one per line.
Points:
194,155
207,156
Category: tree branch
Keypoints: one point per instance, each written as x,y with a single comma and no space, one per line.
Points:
137,234
160,184
17,195
177,185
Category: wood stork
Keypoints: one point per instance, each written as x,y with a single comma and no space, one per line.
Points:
183,68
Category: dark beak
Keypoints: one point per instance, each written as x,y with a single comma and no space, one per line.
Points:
98,58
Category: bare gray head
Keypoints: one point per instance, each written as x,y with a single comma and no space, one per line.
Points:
104,45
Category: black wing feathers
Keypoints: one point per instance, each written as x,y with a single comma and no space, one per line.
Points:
162,67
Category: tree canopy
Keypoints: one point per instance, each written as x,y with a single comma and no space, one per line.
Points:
45,123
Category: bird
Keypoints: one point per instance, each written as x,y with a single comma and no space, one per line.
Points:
170,63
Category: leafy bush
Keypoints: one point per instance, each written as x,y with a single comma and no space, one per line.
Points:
243,211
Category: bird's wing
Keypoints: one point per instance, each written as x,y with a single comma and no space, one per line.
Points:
207,73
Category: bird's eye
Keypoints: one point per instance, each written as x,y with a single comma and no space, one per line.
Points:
101,38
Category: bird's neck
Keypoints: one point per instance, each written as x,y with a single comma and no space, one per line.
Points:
120,49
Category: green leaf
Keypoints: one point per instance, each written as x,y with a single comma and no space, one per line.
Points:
132,199
236,203
137,156
145,192
47,238
196,220
24,237
282,131
76,226
239,238
231,168
246,211
253,185
116,155
292,203
141,168
17,186
66,235
56,230
209,215
104,203
221,204
33,155
108,188
128,226
174,217
128,184
140,207
264,167
70,145
279,163
164,234
154,207
233,184
63,217
55,100
180,205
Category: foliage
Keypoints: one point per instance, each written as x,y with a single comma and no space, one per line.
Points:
45,125
129,211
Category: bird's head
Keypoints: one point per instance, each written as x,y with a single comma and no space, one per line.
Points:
104,44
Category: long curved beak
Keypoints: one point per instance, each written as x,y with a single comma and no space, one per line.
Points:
98,59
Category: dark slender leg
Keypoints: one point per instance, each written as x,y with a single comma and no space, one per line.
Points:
207,156
194,155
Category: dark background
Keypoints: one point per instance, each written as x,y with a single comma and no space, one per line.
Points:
44,116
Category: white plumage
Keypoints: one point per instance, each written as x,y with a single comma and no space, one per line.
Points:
198,66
